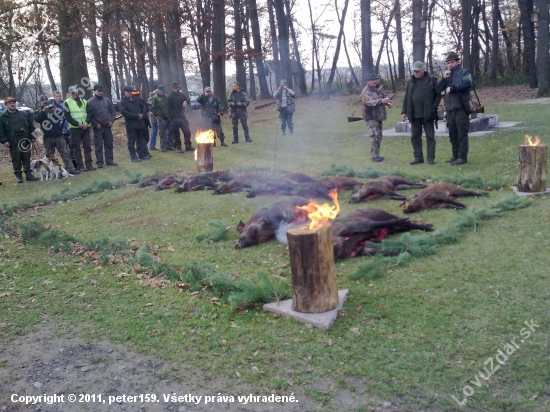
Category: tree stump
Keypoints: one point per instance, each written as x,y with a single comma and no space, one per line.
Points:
204,157
314,288
532,168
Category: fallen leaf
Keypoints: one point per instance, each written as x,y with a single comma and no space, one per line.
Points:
5,294
234,325
355,330
238,374
170,249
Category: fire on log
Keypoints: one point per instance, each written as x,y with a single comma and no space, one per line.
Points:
532,166
204,157
314,288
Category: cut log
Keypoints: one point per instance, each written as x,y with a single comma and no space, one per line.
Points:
532,168
314,288
204,157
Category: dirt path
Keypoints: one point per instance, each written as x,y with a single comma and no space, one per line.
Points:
44,363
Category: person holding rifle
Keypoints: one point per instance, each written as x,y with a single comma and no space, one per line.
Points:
456,83
374,101
420,107
285,106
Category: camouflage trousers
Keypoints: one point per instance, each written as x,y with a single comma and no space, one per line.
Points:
375,133
50,144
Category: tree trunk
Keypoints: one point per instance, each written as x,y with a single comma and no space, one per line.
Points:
302,73
475,67
218,49
115,68
366,40
400,49
258,54
204,158
495,48
507,41
239,54
532,169
418,34
466,33
526,7
543,54
274,42
383,43
284,41
313,49
328,88
314,288
50,74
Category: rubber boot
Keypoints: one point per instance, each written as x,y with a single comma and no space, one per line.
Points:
235,136
19,177
247,136
29,177
222,139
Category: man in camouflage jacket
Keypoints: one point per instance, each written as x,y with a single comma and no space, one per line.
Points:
238,101
212,110
285,106
374,101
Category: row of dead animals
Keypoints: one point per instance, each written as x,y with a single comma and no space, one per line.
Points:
439,195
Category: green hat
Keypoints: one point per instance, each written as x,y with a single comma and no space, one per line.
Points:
418,66
372,75
452,56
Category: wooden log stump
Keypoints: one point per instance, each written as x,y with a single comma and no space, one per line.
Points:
532,168
204,157
314,288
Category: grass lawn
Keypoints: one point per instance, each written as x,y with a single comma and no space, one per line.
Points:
414,337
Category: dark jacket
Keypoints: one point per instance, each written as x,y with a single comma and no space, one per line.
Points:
211,107
101,111
6,128
50,128
175,104
431,97
131,109
160,106
460,82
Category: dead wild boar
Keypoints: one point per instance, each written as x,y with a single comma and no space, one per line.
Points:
241,183
371,191
205,181
149,181
261,227
399,183
351,232
439,195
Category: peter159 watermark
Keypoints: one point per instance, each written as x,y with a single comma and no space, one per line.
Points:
501,357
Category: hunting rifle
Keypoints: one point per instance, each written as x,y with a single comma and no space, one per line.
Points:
264,105
356,119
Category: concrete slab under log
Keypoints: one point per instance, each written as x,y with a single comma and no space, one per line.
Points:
522,194
319,320
491,122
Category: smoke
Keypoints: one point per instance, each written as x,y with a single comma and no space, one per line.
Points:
280,233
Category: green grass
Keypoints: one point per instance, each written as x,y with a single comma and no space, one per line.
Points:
416,334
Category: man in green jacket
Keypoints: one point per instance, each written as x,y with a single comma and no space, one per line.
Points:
212,110
16,133
420,107
238,101
160,111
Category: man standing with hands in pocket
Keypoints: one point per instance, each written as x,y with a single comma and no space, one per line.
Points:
419,106
457,83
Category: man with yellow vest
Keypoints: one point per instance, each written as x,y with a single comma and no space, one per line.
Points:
75,114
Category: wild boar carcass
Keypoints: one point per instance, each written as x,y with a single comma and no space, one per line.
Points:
262,226
205,181
439,195
149,181
371,191
399,183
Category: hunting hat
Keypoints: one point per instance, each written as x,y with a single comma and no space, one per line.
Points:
10,100
372,75
174,85
128,89
73,89
161,87
43,99
283,82
98,87
452,56
207,89
135,93
418,66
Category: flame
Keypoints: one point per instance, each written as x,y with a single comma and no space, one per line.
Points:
208,137
319,214
530,142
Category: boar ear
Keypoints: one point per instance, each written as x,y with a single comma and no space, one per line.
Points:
240,227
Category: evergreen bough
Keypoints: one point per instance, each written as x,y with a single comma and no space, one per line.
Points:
220,230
